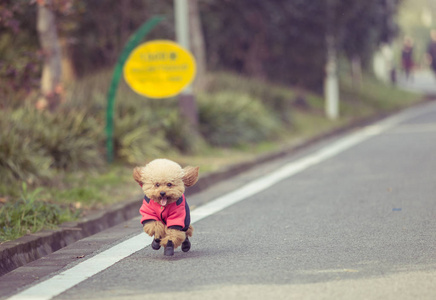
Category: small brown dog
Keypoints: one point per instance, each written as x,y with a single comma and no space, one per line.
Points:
165,212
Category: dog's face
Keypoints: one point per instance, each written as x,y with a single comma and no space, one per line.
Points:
164,181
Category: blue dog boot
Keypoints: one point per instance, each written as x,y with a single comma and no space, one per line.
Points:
169,249
186,245
156,244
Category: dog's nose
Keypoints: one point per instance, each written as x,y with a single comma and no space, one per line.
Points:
162,193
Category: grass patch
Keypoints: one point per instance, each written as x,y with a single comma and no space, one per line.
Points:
373,97
28,214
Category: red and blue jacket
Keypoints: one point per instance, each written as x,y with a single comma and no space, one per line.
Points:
175,215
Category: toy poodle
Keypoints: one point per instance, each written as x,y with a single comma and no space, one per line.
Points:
165,212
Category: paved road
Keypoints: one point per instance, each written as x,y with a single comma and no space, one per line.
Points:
349,218
423,81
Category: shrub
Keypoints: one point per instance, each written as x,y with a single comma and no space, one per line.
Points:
135,140
178,132
278,99
71,138
231,119
21,159
32,143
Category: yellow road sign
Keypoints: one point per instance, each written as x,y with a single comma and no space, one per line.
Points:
159,69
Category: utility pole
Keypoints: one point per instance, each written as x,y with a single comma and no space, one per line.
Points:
187,104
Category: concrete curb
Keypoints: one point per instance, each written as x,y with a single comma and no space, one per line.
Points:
14,254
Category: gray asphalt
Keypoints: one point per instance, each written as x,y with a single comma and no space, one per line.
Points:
366,216
422,81
360,225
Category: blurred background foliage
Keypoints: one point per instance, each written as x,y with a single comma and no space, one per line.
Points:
265,63
283,41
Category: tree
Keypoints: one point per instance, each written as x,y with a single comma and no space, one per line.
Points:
367,25
102,31
19,55
51,71
285,41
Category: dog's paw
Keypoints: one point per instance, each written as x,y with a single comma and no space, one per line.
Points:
169,249
186,245
155,228
155,244
175,236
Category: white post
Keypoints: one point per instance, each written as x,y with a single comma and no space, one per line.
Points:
187,104
331,85
182,29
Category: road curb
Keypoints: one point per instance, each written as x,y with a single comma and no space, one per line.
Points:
21,251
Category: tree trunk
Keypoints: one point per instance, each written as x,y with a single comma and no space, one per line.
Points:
67,65
257,51
197,45
51,72
356,71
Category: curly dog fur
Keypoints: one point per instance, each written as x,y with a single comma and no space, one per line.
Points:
163,182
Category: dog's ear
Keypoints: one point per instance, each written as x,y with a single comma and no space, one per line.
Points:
190,176
137,175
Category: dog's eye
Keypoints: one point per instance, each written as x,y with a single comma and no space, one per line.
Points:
169,184
157,185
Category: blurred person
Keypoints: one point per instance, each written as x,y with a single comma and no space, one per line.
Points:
407,57
431,51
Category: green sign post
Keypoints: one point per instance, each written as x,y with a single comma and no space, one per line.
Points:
134,40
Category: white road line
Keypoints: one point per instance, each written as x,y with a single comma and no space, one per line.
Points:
67,279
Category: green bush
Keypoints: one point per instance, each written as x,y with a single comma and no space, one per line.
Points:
72,139
134,138
178,133
232,119
149,128
21,158
278,99
33,143
143,128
